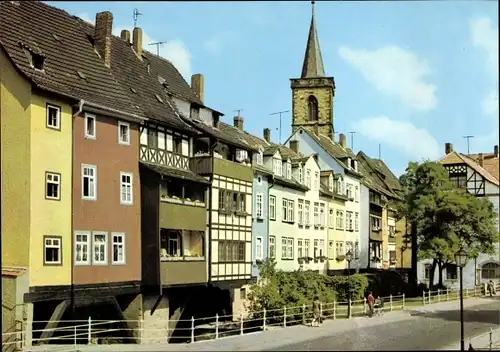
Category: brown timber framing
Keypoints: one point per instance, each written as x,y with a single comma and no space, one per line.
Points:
474,183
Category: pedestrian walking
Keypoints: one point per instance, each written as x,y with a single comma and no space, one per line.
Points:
371,303
316,312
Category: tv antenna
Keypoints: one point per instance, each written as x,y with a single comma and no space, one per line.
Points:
468,142
136,16
238,111
352,140
279,113
380,151
157,47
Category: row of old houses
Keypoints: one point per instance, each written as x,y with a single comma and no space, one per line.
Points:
125,196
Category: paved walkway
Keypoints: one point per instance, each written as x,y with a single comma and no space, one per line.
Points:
279,336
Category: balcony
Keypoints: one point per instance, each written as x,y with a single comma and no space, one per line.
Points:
202,165
182,257
182,205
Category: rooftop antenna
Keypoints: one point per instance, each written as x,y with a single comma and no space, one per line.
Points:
136,15
157,47
238,111
468,143
352,140
279,113
380,151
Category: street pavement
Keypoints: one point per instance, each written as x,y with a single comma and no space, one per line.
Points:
435,326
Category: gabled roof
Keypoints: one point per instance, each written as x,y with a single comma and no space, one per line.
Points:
34,26
491,163
377,176
459,158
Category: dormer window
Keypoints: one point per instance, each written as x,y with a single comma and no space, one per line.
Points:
349,163
340,186
353,164
277,167
37,61
195,112
308,178
330,183
288,169
241,155
301,175
259,158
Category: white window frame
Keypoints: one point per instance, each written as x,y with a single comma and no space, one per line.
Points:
316,180
331,249
87,118
316,248
288,169
301,175
118,244
272,207
83,244
272,244
57,126
349,220
356,194
339,223
305,251
93,177
290,210
124,185
321,247
259,248
322,215
331,217
316,214
258,158
57,183
259,206
57,246
356,221
300,248
300,206
120,140
289,249
100,262
284,209
307,213
308,178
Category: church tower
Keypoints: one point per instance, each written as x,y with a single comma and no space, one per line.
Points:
313,92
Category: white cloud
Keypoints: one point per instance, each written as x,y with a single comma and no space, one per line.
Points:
484,36
85,16
221,41
395,72
414,142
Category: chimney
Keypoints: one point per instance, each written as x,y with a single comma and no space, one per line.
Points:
267,135
448,148
125,35
342,140
480,159
495,151
294,145
238,122
197,84
102,35
137,41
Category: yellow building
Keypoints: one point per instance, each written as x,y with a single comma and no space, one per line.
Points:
36,181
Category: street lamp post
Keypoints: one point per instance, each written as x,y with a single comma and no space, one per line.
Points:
460,260
348,257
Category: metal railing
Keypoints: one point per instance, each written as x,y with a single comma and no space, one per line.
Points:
488,341
148,331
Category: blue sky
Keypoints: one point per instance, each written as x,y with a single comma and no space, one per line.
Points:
409,75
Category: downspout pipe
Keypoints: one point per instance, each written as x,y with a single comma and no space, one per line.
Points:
75,115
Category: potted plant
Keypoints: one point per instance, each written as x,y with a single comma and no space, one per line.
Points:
340,258
322,258
301,260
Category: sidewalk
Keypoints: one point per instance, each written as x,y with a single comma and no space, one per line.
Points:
279,336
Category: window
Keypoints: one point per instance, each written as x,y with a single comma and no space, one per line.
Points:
100,248
241,203
308,178
52,186
300,248
153,138
356,221
90,130
272,247
301,211
287,210
259,206
340,187
89,184
82,248
222,198
490,271
339,248
231,251
258,158
272,207
376,250
331,218
349,191
316,214
375,222
316,180
52,250
306,248
340,220
301,175
259,248
321,247
307,213
53,117
322,218
118,248
392,257
331,249
330,183
171,243
316,248
123,133
177,144
356,194
312,108
349,247
427,271
286,248
348,221
288,169
451,272
126,196
243,293
277,167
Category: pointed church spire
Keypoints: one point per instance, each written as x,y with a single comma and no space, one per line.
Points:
313,62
